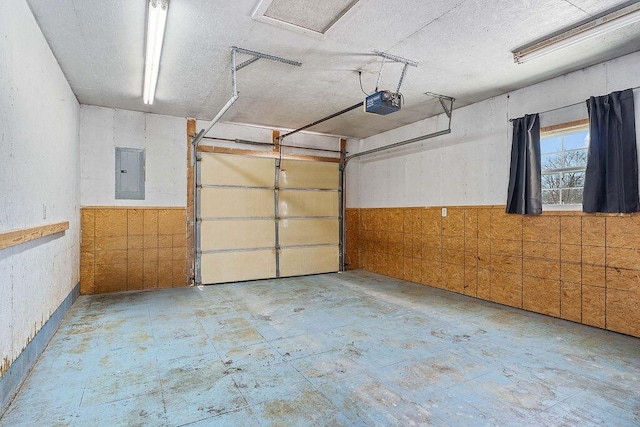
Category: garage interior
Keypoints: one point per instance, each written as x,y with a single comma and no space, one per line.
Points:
350,212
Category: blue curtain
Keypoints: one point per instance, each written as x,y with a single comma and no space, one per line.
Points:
611,178
525,185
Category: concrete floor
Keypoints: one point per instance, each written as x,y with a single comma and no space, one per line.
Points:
338,349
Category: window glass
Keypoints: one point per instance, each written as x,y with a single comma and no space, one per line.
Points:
563,162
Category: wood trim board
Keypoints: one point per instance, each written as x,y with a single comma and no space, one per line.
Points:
17,237
268,154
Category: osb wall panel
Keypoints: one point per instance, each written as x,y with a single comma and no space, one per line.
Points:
579,267
125,249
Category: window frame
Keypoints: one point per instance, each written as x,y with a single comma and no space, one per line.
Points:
557,130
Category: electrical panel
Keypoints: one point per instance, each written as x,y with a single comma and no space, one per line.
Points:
130,173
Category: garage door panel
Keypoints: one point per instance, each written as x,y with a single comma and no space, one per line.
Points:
221,169
305,174
299,261
237,222
236,203
295,232
237,234
238,266
308,203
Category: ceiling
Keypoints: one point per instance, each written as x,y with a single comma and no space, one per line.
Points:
463,48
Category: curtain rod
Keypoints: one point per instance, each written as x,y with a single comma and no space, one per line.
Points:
571,105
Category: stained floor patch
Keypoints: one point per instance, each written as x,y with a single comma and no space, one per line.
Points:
338,349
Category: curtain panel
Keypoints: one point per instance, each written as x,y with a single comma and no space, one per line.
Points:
611,178
525,186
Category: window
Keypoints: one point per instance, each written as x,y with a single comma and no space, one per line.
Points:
564,151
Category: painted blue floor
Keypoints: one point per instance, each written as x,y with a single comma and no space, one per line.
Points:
339,349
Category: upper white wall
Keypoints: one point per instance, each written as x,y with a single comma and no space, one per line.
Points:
163,137
39,172
470,166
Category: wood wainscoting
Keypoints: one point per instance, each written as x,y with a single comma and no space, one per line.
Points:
580,267
132,248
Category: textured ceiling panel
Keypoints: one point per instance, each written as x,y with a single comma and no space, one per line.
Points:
463,49
314,15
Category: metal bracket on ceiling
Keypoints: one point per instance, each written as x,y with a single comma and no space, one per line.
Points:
448,109
234,82
260,55
394,58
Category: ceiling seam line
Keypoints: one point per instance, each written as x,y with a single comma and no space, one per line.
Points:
425,26
578,7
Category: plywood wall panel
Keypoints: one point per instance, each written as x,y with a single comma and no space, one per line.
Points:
171,221
544,250
571,301
135,242
453,223
484,223
110,222
541,295
150,222
541,229
104,243
593,275
624,280
506,288
594,255
623,311
507,264
593,231
541,268
504,226
622,232
453,242
623,258
396,220
470,280
571,230
453,277
135,256
430,273
571,272
135,222
431,221
593,306
571,253
453,257
135,276
114,262
484,283
506,247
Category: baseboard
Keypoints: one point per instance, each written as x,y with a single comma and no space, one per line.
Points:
11,381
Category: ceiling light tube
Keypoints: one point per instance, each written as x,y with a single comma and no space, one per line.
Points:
594,28
156,22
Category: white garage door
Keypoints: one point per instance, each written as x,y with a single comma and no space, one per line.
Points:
263,218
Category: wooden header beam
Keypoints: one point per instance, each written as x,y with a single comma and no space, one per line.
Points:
268,154
17,237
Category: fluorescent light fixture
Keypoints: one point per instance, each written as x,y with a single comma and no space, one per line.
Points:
156,22
594,28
